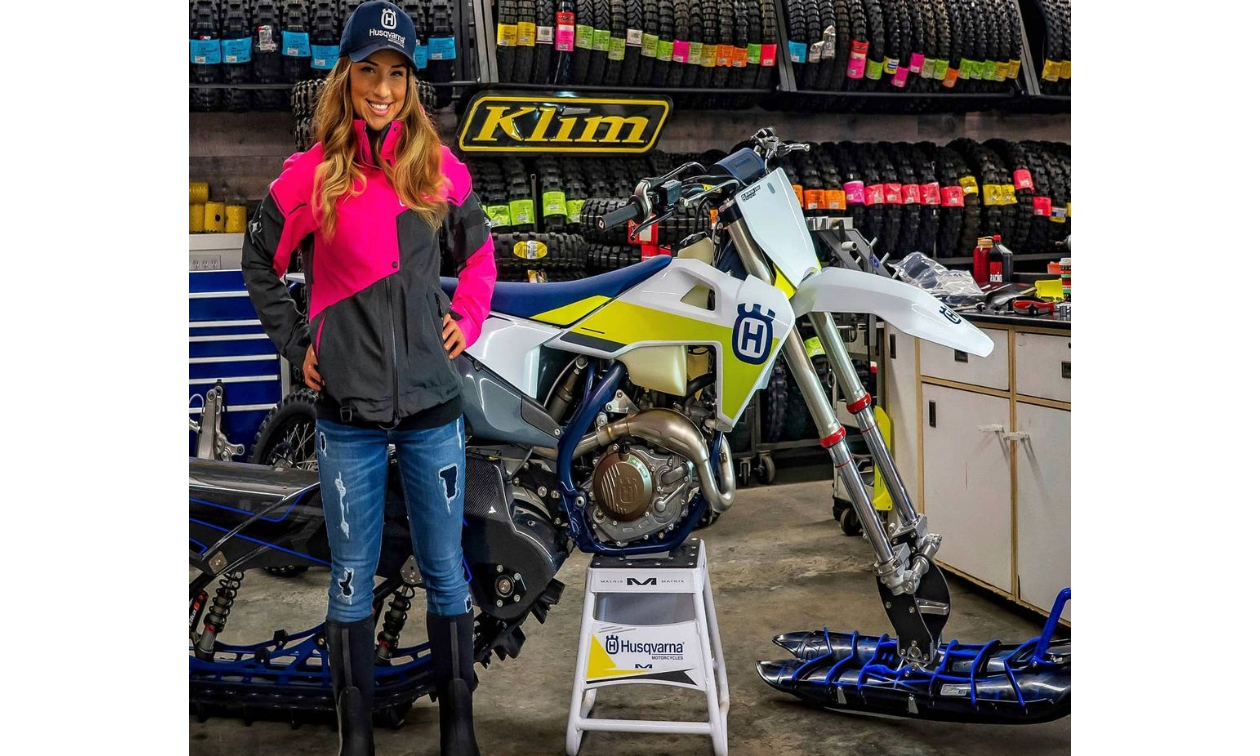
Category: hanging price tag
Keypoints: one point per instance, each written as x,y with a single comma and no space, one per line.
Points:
800,195
1041,206
969,185
650,42
1008,195
695,53
602,38
1050,71
507,35
916,62
565,32
892,194
547,35
739,58
989,72
815,199
1014,68
237,50
1065,69
815,52
964,69
682,52
855,192
574,206
584,39
992,194
951,78
754,55
324,57
899,79
441,48
835,199
634,38
874,194
205,52
942,69
522,211
891,65
725,55
1058,214
829,43
910,194
952,196
500,215
708,56
857,59
554,203
617,49
874,69
295,44
526,34
665,50
931,193
1023,179
797,52
769,55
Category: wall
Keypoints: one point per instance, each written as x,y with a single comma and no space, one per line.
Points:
240,153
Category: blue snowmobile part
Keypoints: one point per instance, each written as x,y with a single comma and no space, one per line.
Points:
981,683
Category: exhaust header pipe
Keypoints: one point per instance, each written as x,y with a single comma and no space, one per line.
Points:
673,431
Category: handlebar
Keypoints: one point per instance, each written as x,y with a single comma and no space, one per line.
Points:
631,212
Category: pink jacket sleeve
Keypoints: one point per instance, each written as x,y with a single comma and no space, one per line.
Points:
472,247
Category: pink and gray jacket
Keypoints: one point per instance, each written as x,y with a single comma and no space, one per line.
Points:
376,305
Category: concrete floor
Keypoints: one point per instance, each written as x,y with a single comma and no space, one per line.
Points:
778,562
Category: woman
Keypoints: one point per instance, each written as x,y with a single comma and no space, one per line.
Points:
382,199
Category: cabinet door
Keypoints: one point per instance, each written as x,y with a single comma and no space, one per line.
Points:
967,481
902,405
1044,504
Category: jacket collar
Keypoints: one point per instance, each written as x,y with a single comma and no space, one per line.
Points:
392,132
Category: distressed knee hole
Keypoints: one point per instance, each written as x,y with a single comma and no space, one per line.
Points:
323,445
347,584
450,480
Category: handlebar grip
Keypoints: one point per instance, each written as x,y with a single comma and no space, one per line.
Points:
621,215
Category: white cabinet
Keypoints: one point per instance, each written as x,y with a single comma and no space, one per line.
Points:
985,446
1044,504
967,481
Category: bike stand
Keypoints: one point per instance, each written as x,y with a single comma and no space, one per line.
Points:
650,620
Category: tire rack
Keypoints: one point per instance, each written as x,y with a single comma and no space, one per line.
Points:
786,94
466,21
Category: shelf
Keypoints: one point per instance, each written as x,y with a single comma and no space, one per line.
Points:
277,87
674,92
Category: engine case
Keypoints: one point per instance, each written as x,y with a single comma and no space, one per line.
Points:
638,491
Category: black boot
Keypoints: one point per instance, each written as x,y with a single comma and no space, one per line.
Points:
351,648
450,643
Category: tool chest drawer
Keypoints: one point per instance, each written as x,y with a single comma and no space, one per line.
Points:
993,372
1043,366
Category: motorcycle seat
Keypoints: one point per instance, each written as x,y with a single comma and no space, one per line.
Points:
566,302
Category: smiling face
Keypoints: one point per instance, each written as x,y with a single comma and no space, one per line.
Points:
378,87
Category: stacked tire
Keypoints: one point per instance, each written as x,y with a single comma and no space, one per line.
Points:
1054,46
912,46
674,44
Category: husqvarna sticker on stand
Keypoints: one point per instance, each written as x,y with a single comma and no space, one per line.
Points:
660,654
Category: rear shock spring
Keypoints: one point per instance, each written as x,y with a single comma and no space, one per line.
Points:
217,614
392,624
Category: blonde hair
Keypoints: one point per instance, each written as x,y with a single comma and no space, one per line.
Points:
416,175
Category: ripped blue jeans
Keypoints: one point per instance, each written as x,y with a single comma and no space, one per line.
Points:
353,476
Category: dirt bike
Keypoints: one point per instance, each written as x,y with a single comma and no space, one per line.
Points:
596,412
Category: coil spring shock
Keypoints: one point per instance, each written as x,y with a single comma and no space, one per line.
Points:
217,614
392,624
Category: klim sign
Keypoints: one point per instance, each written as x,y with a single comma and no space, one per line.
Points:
551,122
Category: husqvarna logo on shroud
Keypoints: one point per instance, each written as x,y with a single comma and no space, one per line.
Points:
950,315
388,19
752,334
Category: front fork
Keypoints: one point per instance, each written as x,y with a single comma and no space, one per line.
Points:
913,589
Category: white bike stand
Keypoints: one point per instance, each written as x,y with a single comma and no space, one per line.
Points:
649,620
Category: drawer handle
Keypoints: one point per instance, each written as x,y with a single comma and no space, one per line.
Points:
931,414
960,356
1067,370
1014,436
892,346
997,428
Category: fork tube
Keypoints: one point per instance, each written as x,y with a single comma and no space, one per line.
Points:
830,433
858,402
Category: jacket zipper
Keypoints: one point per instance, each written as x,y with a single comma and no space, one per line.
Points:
393,343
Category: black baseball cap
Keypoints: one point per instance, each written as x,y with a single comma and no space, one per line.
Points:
378,25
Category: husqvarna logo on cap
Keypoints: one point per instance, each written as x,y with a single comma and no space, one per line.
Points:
752,334
388,19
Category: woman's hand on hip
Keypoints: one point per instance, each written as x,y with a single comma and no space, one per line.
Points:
310,370
452,337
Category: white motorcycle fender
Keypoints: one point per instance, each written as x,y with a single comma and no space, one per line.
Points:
910,309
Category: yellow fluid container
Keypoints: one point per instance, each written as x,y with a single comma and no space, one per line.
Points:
235,223
214,218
